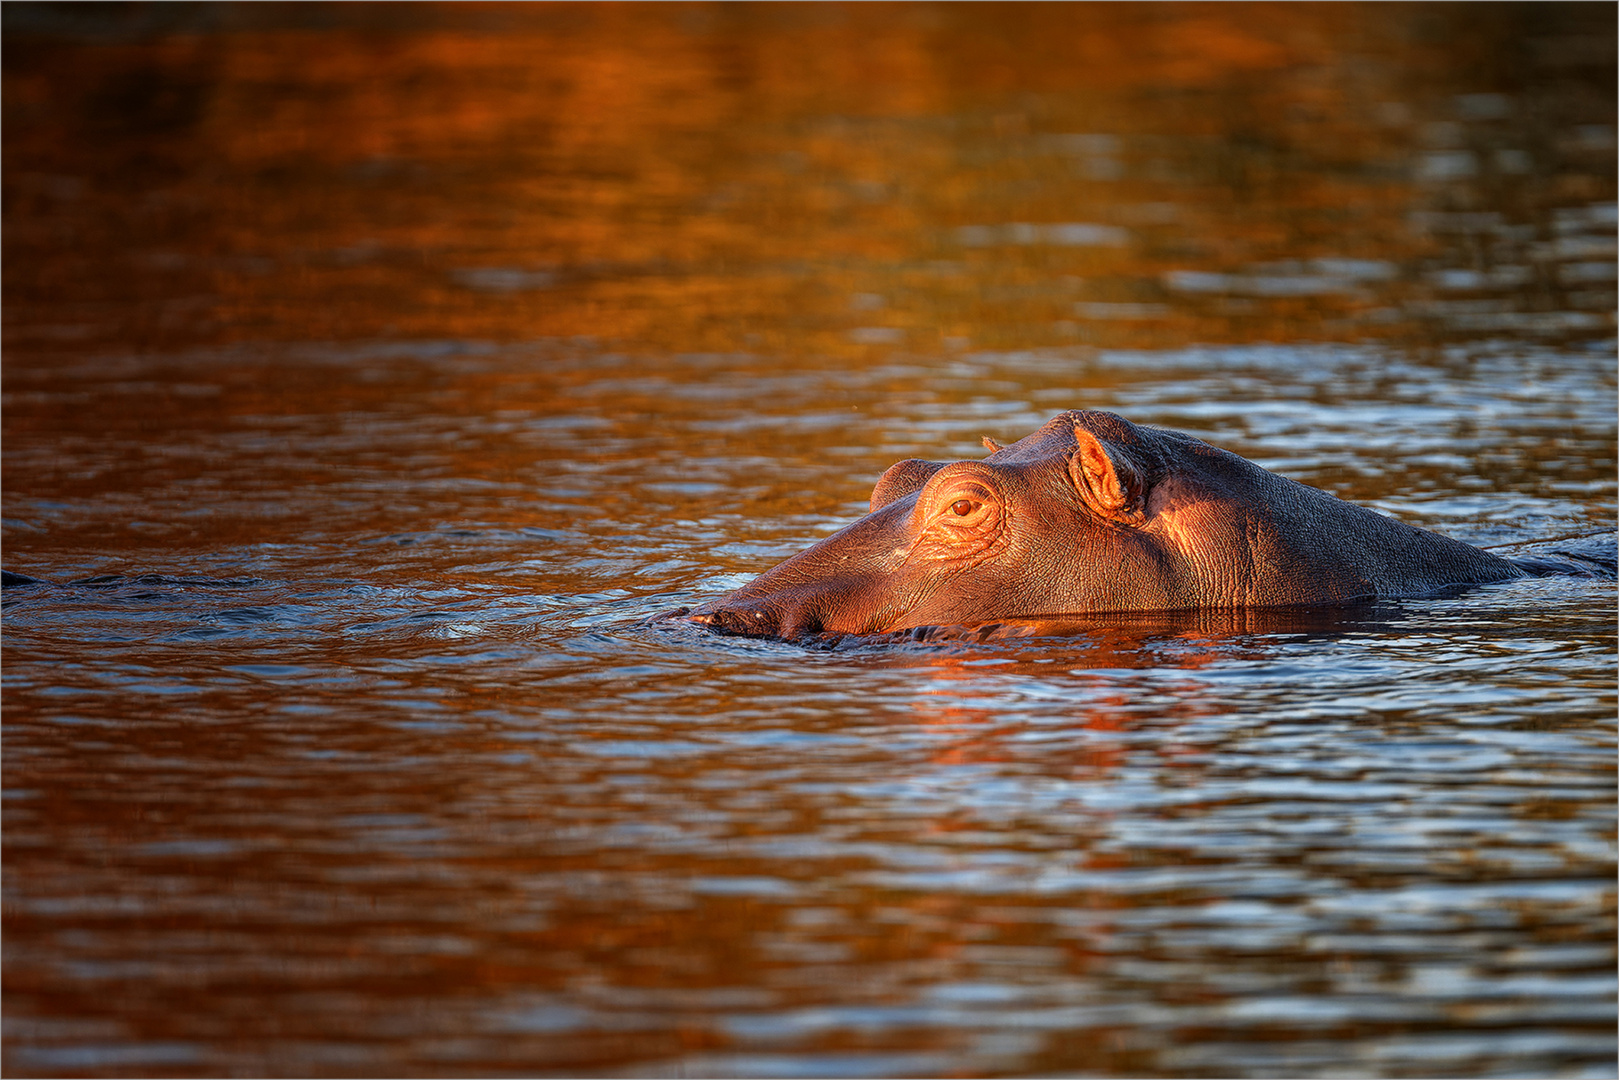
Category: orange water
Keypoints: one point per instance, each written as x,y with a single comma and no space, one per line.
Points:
376,371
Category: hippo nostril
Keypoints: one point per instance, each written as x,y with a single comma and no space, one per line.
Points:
751,622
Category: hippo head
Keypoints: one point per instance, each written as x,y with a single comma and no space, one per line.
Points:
1090,515
1050,525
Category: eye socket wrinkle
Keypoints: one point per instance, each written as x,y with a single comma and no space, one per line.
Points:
947,489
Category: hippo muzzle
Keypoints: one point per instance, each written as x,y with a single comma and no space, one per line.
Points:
844,584
758,619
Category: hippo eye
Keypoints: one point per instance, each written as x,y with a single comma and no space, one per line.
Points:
963,507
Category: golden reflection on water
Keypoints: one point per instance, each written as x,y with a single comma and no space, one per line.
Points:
821,181
416,353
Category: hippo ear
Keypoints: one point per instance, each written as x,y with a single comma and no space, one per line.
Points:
902,478
1110,482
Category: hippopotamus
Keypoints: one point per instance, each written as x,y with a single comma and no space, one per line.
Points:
1092,514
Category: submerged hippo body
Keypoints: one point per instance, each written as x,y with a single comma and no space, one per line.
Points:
1092,514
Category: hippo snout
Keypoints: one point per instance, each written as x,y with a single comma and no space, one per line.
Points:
754,620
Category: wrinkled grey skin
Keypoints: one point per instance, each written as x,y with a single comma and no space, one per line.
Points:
1092,514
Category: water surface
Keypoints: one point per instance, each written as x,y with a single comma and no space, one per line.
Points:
372,374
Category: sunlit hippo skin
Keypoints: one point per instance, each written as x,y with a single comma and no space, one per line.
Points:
1092,514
